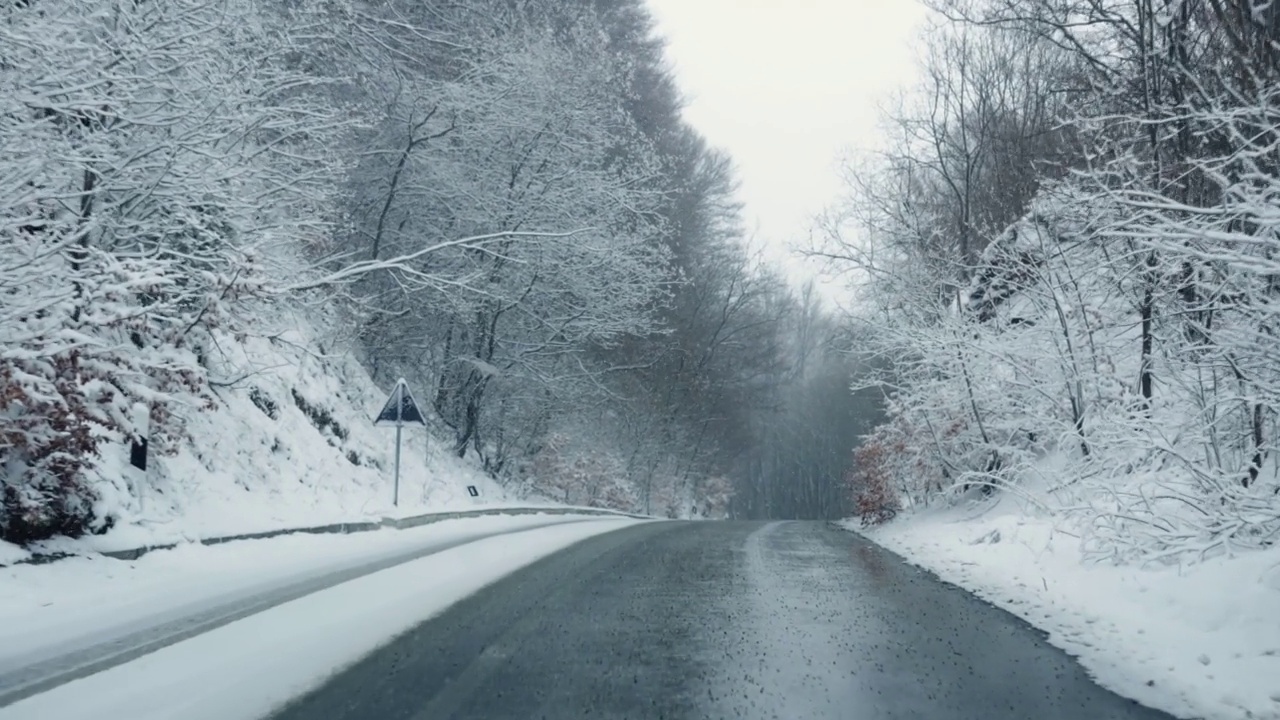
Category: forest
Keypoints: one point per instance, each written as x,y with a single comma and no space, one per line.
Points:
497,200
1067,273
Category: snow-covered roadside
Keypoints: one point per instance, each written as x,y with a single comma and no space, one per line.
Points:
47,611
246,669
287,441
1198,641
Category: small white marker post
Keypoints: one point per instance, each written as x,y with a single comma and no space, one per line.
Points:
400,409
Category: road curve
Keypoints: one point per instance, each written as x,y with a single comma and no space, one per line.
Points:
719,620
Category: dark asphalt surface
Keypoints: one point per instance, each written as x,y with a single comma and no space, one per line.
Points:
718,620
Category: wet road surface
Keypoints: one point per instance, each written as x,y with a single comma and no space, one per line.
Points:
719,620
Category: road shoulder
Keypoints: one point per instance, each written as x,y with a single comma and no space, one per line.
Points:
1195,641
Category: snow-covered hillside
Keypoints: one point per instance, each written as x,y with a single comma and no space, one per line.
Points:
287,441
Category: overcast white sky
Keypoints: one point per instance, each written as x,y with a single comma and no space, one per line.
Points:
784,86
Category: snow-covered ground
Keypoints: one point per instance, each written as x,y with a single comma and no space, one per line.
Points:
249,667
1199,641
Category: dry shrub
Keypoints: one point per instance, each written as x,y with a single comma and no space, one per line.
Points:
869,481
47,444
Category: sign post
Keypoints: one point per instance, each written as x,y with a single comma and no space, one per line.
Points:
395,496
401,408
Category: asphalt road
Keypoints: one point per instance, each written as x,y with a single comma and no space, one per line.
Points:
718,620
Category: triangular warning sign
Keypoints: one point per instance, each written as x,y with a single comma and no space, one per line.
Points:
401,408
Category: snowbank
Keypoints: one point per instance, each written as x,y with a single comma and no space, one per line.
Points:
1196,640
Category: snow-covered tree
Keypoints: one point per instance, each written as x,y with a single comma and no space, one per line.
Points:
1108,349
159,161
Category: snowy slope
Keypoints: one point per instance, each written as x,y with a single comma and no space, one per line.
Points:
1197,640
289,442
